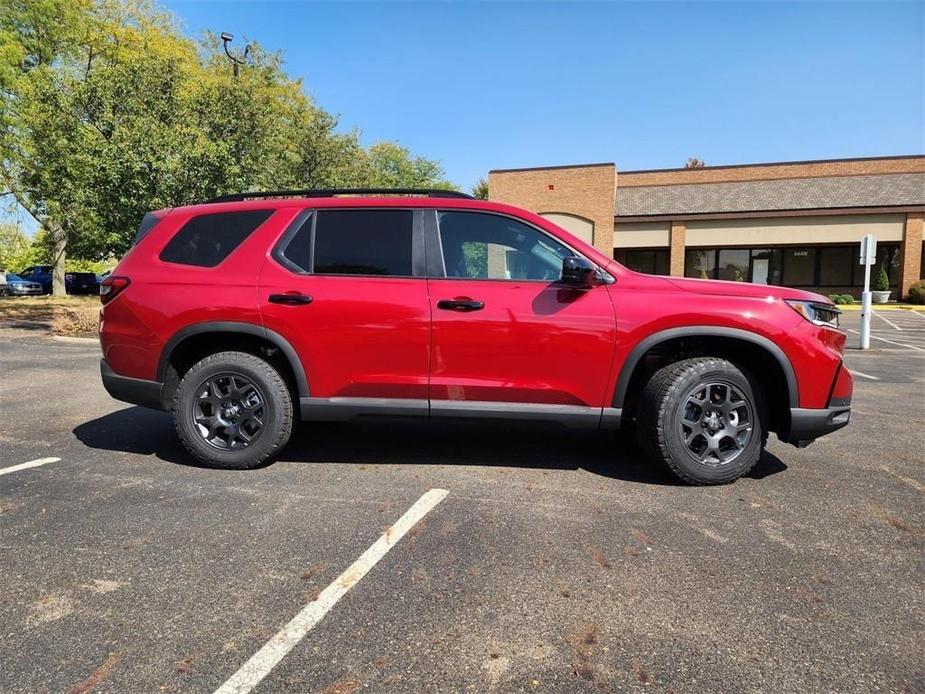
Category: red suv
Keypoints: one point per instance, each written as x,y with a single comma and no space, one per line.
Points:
249,312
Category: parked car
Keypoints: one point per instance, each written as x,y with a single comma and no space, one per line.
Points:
245,313
74,282
15,285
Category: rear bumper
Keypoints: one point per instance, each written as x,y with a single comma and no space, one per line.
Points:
136,391
808,425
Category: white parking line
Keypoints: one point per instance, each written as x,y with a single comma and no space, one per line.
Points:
862,375
264,660
26,466
886,320
883,339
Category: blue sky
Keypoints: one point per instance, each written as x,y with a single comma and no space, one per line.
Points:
486,85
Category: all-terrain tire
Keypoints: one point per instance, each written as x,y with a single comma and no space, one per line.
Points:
659,426
276,414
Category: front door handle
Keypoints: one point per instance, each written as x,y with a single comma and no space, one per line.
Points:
464,305
290,299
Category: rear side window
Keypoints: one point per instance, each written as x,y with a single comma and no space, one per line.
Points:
361,242
208,239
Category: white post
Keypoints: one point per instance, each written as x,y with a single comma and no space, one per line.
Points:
865,309
868,258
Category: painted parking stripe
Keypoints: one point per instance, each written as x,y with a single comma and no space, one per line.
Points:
264,660
883,339
862,375
26,466
886,320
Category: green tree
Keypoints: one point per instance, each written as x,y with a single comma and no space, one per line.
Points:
109,112
480,189
16,249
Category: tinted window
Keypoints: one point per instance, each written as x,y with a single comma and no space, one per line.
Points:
733,264
208,239
700,264
487,246
799,266
363,242
298,250
654,262
836,265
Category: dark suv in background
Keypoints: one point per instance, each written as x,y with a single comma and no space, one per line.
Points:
74,282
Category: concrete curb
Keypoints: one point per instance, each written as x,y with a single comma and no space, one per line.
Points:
76,340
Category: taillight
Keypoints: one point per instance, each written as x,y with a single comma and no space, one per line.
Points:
111,287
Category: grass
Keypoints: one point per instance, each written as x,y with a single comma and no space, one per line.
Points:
59,315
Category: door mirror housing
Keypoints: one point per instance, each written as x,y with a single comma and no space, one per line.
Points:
579,273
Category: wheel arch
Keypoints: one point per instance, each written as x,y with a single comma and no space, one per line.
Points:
195,340
765,360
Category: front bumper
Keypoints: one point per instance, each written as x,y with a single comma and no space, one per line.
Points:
136,391
808,425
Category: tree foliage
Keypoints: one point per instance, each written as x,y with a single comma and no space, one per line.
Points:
480,189
108,111
694,163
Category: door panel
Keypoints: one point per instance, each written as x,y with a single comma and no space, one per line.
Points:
532,342
358,336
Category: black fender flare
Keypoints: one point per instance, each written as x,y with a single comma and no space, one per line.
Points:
234,327
650,341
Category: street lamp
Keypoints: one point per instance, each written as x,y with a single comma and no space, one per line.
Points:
235,61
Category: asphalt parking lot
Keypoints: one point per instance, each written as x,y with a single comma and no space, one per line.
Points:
556,561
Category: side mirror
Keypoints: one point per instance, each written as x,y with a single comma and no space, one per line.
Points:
579,273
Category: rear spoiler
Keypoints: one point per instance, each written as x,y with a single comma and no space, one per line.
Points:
148,222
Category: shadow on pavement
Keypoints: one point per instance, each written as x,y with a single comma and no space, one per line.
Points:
407,442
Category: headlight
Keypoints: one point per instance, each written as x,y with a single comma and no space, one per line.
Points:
818,314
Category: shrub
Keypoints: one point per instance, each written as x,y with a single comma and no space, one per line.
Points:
917,293
844,299
882,280
834,298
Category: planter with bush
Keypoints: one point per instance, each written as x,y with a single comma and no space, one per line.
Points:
881,288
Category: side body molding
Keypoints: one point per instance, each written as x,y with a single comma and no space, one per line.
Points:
647,343
234,327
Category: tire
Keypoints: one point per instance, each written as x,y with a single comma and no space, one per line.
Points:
685,423
231,393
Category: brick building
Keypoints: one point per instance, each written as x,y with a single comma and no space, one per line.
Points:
796,224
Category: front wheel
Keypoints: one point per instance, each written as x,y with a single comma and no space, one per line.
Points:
700,417
233,410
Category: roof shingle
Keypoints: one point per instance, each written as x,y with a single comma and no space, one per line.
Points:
882,190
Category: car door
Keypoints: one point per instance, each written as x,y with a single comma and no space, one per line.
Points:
346,288
508,337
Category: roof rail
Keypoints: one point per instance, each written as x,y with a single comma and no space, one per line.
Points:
334,192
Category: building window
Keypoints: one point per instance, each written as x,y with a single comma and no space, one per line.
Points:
799,267
733,264
807,266
650,261
766,265
700,263
836,266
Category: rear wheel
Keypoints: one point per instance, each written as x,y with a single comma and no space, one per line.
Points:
700,417
233,410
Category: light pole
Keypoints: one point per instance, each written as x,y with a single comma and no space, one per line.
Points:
235,61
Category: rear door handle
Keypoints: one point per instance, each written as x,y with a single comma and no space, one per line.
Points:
460,305
290,299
